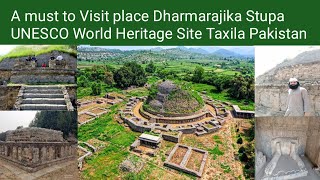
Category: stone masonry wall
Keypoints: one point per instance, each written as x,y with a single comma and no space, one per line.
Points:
272,99
313,141
8,96
304,72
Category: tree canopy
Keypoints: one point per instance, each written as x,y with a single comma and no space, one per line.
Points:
65,121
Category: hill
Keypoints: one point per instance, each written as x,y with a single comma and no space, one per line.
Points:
304,66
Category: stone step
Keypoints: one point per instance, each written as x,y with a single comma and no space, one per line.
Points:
42,87
43,107
43,91
44,101
32,95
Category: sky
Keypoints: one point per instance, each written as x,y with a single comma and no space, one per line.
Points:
267,57
4,49
10,120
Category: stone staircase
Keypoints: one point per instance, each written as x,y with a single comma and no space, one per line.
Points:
50,97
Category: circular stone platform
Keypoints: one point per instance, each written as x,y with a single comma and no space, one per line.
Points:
211,118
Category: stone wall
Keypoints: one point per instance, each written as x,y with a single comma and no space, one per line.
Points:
171,137
313,141
11,63
5,75
175,120
183,165
34,156
8,96
272,99
35,148
72,91
34,135
43,75
308,72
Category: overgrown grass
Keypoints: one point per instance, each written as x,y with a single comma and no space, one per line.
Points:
27,50
217,139
216,152
105,164
222,96
226,168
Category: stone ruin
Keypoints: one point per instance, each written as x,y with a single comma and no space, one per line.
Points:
146,143
201,123
18,72
32,149
187,159
43,98
271,90
167,103
287,148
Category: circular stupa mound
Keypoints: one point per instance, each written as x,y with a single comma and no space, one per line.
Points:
168,99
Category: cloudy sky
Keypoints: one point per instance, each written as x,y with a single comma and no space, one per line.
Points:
10,120
267,57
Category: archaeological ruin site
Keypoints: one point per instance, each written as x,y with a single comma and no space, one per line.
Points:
164,116
187,114
271,88
287,148
43,82
33,152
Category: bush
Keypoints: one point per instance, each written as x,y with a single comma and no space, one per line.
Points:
242,150
239,141
95,89
243,157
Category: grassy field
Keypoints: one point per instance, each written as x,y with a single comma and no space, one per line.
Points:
105,164
27,50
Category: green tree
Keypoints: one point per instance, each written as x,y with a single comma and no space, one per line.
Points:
129,74
198,74
151,68
65,121
108,78
239,141
123,77
95,89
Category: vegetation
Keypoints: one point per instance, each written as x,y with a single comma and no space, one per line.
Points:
105,164
246,151
228,80
29,50
64,121
151,68
179,100
95,89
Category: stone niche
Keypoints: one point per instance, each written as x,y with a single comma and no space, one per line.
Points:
33,149
287,147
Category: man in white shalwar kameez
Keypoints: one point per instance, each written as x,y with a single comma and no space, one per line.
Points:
298,100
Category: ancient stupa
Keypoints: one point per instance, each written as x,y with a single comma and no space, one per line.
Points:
168,99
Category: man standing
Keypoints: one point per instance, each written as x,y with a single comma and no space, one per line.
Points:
298,100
